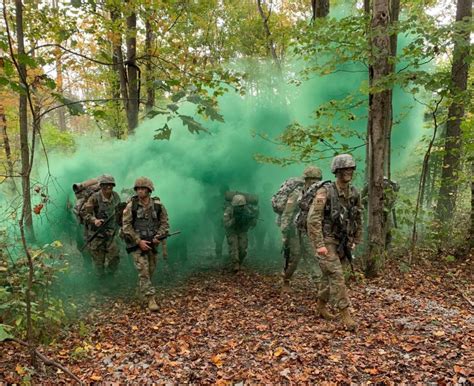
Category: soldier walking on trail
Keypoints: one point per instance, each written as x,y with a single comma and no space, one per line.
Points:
99,216
334,224
296,244
145,220
239,217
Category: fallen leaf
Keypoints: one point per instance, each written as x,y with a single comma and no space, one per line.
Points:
20,370
96,377
278,352
217,360
439,333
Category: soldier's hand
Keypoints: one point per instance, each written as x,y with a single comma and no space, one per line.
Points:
323,251
144,245
98,222
353,245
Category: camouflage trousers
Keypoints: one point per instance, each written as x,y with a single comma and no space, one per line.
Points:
333,286
218,236
145,263
237,243
105,254
300,248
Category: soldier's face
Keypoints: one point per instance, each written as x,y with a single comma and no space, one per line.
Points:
310,181
142,192
346,174
107,189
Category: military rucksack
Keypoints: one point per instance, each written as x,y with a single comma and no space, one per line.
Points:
305,203
280,198
82,191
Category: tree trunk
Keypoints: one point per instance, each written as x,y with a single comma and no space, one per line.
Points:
23,123
61,111
394,14
119,66
270,43
320,8
452,148
471,237
6,144
150,89
132,73
379,107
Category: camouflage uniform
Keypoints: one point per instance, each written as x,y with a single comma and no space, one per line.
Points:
145,226
236,228
297,241
103,248
323,232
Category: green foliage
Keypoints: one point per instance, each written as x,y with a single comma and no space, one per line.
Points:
55,139
48,312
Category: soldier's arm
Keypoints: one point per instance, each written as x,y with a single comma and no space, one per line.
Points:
164,222
289,211
127,224
89,215
315,218
228,218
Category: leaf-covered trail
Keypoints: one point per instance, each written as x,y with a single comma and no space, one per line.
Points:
414,326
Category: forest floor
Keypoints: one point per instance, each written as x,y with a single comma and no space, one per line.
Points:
415,325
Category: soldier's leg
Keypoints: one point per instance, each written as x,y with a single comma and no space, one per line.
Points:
98,253
312,261
233,243
243,244
112,257
331,265
143,268
294,257
152,260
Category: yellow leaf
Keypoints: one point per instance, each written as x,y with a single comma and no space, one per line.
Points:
98,346
217,360
439,333
335,358
20,370
278,352
134,328
96,377
57,244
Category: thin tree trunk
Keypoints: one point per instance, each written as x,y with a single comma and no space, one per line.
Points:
471,237
320,8
132,72
394,14
270,43
378,134
119,62
26,218
6,145
150,89
452,148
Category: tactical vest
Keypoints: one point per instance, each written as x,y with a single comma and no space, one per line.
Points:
104,209
146,221
340,213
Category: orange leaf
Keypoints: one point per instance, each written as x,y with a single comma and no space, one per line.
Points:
278,352
96,377
373,371
217,360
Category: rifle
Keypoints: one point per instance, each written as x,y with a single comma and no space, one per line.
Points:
345,250
96,233
135,247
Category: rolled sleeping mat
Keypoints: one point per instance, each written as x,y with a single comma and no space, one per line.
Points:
80,186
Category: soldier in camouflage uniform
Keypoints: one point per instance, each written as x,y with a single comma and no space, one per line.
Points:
99,212
144,220
295,241
335,210
238,219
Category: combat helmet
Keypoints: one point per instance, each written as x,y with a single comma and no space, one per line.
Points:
144,182
238,200
313,172
106,179
342,161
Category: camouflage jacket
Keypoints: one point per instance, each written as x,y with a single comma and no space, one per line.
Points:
131,232
234,224
100,207
322,228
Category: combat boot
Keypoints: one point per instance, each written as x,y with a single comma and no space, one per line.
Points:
322,310
152,306
346,319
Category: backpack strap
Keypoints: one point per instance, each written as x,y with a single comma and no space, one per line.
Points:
156,206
